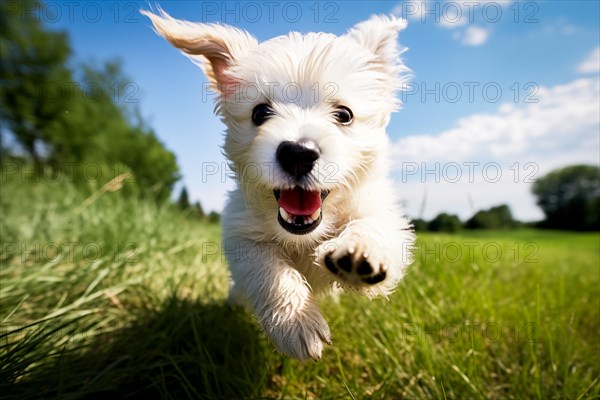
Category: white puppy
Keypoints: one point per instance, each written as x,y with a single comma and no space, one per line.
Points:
314,207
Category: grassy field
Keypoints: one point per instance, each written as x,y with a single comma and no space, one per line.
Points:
105,297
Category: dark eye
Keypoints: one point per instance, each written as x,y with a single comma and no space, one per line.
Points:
261,113
343,115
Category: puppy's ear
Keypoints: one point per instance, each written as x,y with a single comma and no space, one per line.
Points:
214,47
379,34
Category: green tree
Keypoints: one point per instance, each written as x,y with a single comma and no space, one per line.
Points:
214,217
34,80
499,217
570,198
445,223
183,202
60,121
199,210
100,127
419,225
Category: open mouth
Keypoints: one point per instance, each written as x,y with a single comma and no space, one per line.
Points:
299,210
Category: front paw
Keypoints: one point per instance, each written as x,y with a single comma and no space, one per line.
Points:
355,262
301,336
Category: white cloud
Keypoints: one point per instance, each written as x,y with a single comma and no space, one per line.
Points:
475,36
453,22
554,27
591,64
560,112
449,15
562,128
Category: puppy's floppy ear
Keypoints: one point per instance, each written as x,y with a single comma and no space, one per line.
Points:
379,35
214,47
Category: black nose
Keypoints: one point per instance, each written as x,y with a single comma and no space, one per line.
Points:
297,158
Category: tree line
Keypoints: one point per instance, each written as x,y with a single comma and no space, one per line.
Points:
195,210
569,198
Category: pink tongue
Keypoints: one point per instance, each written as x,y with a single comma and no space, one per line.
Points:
299,202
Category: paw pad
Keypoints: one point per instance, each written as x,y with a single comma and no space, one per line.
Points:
355,268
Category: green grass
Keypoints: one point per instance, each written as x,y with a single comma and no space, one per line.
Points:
108,297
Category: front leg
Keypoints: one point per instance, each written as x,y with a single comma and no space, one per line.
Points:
370,254
280,298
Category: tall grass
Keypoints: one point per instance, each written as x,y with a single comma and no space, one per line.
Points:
115,297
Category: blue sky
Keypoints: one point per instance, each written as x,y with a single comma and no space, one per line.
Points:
502,92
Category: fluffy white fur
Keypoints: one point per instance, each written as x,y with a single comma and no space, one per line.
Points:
304,77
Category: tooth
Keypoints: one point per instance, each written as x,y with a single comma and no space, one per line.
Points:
284,214
308,221
316,214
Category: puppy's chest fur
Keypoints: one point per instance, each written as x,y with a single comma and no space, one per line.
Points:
306,262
